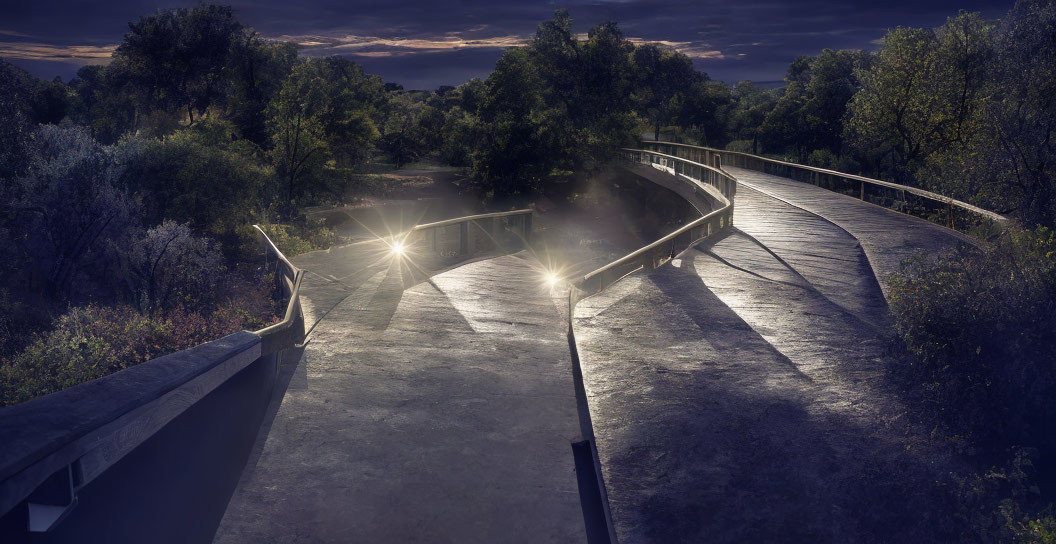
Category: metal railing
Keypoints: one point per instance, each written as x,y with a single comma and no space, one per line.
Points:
462,238
694,181
289,331
700,179
940,209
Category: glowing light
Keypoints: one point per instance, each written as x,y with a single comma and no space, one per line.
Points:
397,248
552,279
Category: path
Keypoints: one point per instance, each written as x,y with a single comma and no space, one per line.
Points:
439,413
739,396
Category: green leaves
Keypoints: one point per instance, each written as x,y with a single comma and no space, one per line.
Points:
982,324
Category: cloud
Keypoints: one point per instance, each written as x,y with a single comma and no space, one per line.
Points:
13,33
81,54
376,47
693,50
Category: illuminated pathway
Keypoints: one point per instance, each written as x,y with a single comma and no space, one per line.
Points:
738,396
440,413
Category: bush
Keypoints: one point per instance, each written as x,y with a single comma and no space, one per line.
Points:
742,146
296,239
981,325
168,266
87,343
93,341
204,176
67,214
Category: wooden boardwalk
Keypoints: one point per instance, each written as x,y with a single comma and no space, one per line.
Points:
738,396
737,393
887,237
443,412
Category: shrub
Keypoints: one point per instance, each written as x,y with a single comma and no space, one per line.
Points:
168,266
87,343
67,214
93,341
204,176
981,325
743,146
822,158
296,239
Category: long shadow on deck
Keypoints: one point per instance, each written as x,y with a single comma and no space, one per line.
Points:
712,435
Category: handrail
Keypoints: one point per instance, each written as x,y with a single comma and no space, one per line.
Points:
713,182
284,334
688,235
746,160
474,236
457,220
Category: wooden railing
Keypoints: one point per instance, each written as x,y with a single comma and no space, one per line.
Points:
462,238
290,330
699,179
914,201
706,187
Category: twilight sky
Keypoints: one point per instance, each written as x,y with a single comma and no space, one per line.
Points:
425,43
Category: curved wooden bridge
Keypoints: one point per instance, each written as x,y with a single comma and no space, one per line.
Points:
723,383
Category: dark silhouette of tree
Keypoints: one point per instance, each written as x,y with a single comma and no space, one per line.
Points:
176,58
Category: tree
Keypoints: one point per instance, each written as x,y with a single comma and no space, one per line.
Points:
749,108
322,113
202,176
1022,112
922,93
168,267
410,130
809,114
256,68
176,58
605,113
703,112
663,75
15,119
68,213
510,158
833,82
460,135
355,109
784,126
104,101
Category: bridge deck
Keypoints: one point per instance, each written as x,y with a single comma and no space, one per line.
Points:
439,413
887,237
739,396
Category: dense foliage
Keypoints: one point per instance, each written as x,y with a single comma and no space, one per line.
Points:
982,324
979,328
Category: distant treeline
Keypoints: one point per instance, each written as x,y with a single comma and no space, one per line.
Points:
965,109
